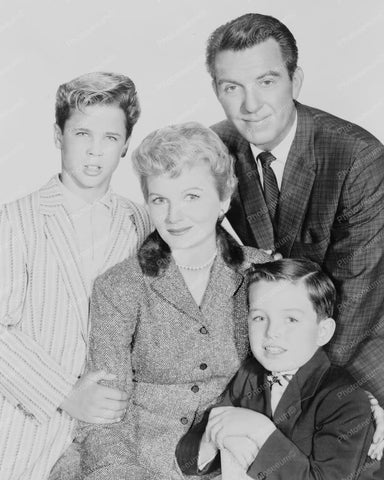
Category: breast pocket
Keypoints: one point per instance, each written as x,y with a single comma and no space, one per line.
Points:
312,251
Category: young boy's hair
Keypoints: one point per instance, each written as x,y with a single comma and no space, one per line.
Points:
98,88
321,291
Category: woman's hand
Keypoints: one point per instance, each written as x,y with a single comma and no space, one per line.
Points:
94,403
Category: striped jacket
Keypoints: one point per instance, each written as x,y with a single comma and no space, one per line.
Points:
44,322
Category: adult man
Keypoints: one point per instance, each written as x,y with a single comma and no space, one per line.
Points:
53,243
310,184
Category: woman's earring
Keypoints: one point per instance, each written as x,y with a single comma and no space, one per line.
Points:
221,216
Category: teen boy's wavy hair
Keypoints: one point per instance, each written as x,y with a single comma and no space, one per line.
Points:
98,88
321,291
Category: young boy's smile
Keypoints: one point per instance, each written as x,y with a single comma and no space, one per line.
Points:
284,329
92,143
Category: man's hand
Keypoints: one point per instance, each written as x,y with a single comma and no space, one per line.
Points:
377,446
235,421
94,403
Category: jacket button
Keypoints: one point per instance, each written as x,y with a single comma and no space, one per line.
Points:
203,330
184,420
195,389
203,366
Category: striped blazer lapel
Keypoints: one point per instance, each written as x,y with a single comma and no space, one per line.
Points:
252,196
298,178
121,234
60,236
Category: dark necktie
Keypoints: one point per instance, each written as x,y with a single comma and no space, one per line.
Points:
271,189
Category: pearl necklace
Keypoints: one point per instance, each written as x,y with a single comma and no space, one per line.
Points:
200,267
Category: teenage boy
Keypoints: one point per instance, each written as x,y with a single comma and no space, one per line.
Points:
303,417
53,243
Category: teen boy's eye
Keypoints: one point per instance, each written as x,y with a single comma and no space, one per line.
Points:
230,88
81,134
292,320
112,138
158,200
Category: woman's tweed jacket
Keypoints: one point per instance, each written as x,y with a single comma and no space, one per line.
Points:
172,357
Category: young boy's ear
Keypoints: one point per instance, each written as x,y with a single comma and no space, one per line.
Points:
326,330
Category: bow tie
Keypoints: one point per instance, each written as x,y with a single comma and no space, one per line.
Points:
280,378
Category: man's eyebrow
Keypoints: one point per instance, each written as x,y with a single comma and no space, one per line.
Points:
226,80
269,73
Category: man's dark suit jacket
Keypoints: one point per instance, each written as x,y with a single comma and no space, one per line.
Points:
323,425
331,211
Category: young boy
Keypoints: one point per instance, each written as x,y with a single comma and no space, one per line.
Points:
53,243
295,415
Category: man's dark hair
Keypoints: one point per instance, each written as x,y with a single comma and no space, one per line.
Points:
246,32
321,291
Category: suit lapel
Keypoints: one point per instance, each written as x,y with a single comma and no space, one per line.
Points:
252,197
298,178
302,387
60,237
288,409
258,398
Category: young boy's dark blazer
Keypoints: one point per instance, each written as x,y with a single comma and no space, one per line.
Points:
323,421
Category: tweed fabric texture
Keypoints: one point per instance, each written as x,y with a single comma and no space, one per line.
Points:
331,211
172,357
44,323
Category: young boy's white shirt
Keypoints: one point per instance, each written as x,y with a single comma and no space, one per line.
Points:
44,304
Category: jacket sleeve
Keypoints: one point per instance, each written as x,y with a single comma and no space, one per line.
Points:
341,438
355,261
107,449
29,377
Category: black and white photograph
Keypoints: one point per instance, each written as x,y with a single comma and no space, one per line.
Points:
191,240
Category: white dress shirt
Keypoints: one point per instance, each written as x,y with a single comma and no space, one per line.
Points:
92,225
280,153
277,390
